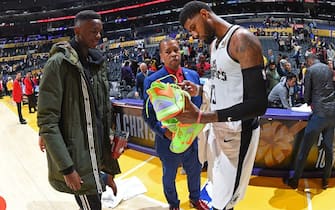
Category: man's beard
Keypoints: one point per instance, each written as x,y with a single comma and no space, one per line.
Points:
210,36
209,39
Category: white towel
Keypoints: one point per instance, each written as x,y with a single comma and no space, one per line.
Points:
127,189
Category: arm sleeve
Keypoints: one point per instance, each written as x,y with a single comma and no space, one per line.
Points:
255,101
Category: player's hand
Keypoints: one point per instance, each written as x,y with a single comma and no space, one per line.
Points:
73,181
190,113
41,143
190,87
168,134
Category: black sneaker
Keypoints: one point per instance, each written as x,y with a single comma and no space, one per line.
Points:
291,182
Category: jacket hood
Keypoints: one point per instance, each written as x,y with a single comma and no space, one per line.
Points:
71,49
65,48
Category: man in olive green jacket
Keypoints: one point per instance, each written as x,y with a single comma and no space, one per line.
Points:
74,115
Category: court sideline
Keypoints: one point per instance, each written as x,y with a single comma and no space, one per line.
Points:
24,185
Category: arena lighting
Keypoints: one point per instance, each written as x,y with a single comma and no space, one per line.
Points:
102,12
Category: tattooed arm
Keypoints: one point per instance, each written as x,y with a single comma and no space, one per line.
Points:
246,49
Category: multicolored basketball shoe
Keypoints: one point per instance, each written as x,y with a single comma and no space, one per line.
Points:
170,124
167,99
184,136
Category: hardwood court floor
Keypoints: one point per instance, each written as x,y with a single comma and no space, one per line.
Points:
24,184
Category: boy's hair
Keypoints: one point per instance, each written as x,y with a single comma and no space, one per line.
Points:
86,15
191,9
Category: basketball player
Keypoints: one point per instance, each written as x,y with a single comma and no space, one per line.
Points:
236,95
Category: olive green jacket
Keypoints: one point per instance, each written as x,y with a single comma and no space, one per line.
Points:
67,119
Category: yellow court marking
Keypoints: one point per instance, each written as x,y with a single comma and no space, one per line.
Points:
30,117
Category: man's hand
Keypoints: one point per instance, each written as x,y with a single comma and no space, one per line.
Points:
190,87
73,180
190,113
168,134
111,183
41,143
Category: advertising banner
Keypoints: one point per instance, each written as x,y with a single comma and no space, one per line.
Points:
129,118
278,145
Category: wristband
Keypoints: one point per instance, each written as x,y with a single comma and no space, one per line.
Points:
199,116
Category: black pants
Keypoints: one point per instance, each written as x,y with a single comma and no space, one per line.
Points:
89,202
316,125
19,112
31,102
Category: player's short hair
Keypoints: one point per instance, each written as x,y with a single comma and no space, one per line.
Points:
86,15
191,9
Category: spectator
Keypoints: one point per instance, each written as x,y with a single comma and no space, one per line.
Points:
10,86
171,57
127,74
29,91
144,72
17,96
203,67
320,95
272,76
279,96
74,115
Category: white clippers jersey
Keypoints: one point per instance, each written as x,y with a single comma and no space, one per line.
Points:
226,79
222,143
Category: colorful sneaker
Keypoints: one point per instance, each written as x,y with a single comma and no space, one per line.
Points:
184,136
170,124
168,100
